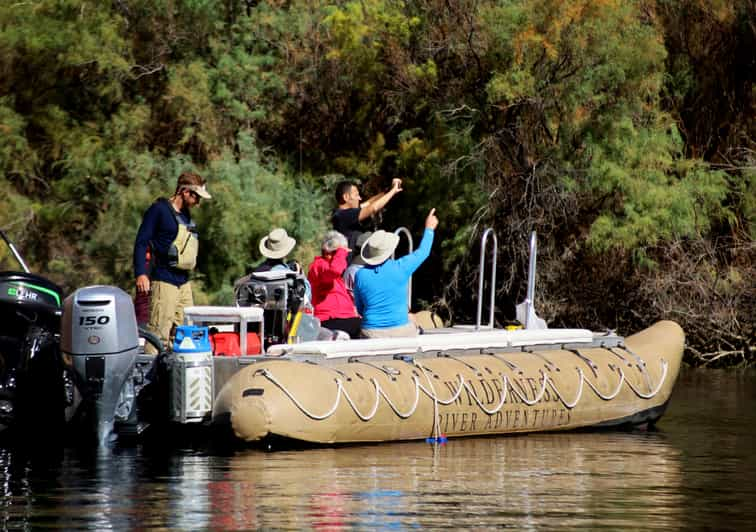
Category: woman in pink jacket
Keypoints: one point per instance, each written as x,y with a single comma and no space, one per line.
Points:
334,307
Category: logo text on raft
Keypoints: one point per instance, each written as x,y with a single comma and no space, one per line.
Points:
23,293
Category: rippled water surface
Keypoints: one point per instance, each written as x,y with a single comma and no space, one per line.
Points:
696,471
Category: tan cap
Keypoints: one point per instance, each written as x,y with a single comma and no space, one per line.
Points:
201,190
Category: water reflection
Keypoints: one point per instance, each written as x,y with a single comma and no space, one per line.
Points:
702,453
522,481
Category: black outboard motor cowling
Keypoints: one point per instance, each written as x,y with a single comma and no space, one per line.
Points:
31,295
31,376
99,341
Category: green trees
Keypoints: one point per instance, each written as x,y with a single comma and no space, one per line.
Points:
101,110
618,130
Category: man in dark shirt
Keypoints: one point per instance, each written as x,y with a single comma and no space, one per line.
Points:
167,229
348,217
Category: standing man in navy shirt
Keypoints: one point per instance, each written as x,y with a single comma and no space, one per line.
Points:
167,229
348,217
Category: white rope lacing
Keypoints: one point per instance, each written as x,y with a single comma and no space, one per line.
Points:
432,392
463,384
378,393
651,393
523,397
577,397
268,375
612,395
436,428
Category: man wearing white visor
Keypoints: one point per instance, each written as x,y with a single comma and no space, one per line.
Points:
171,236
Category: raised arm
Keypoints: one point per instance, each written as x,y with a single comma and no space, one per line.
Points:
410,263
329,270
379,201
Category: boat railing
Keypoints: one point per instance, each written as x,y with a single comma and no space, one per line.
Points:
404,231
15,252
530,298
526,310
481,278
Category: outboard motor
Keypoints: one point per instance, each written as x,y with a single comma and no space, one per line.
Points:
279,292
31,374
99,342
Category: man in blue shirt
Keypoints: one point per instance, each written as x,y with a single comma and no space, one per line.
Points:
380,288
168,231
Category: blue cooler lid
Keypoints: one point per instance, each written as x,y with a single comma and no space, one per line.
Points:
191,339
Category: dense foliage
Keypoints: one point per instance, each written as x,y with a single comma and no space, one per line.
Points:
621,131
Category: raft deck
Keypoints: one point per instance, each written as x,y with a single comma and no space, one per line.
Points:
436,342
457,340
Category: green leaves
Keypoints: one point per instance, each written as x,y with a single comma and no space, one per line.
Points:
251,197
577,119
16,156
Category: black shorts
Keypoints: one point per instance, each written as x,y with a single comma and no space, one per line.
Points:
351,326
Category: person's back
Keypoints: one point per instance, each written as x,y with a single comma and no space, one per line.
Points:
271,265
380,290
357,263
383,295
334,306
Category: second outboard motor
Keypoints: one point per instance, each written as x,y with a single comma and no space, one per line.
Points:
99,342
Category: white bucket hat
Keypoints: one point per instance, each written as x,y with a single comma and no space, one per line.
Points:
379,247
277,244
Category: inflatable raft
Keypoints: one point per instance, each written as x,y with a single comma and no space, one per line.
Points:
450,384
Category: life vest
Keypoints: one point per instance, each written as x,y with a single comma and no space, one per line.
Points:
182,254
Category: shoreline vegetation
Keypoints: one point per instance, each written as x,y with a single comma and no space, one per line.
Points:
621,131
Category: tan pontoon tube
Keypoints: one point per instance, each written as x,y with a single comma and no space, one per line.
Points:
453,384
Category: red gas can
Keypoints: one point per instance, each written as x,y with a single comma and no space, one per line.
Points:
227,344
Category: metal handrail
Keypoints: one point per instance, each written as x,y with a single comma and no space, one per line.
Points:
481,275
400,231
530,298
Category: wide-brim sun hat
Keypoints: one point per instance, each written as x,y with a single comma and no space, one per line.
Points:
357,257
378,247
277,244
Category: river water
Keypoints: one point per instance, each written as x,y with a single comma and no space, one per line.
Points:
697,470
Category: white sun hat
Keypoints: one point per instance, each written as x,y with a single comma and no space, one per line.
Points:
277,244
379,247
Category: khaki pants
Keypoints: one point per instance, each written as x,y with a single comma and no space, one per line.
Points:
392,332
167,303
